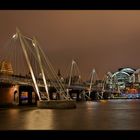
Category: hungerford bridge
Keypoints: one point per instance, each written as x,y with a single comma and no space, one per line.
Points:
22,55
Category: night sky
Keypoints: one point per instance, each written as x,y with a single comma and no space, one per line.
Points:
105,40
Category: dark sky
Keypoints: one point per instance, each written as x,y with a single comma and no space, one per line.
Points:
104,40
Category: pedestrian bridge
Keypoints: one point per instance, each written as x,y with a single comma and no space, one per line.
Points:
24,56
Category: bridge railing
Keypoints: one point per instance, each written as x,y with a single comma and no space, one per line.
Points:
22,80
14,79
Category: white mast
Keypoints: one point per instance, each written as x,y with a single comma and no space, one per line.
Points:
91,80
73,62
28,62
41,67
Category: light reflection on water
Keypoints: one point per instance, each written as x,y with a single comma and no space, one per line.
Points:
39,119
103,115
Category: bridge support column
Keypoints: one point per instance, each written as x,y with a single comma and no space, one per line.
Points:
78,98
30,96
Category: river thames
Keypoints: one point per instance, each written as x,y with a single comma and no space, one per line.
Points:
119,114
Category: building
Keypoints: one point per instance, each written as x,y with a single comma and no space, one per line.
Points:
14,94
125,80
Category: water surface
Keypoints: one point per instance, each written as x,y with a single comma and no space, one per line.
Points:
105,115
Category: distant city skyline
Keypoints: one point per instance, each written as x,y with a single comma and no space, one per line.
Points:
105,40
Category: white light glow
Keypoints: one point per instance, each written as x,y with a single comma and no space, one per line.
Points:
33,43
15,36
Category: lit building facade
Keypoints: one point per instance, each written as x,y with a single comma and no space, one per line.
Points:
124,80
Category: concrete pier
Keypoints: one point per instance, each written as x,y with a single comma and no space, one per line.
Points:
56,104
